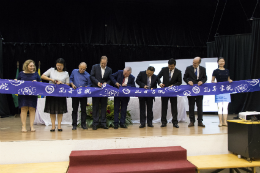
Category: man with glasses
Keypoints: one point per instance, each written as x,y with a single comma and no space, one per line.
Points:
79,78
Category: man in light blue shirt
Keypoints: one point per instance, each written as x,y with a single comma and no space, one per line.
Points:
79,78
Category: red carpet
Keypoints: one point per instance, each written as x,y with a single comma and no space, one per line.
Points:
157,159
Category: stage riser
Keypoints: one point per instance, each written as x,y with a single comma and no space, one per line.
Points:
156,159
130,157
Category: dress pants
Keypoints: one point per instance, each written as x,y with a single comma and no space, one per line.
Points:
124,102
75,105
198,100
174,110
95,105
146,102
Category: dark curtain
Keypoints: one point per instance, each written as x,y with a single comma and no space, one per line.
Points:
76,53
253,99
236,51
4,108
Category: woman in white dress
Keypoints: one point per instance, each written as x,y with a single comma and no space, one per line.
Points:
56,105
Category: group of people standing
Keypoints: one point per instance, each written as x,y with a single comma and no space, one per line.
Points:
102,74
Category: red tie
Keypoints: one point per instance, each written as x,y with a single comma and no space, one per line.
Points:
123,81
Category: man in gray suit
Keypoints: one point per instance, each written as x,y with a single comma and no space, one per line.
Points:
100,75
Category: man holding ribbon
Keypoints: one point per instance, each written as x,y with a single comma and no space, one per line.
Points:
99,76
147,80
122,78
79,78
171,77
195,74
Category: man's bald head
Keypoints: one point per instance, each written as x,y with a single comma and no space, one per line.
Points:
196,62
82,67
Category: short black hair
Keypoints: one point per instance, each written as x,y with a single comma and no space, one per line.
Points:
172,61
151,68
61,61
219,58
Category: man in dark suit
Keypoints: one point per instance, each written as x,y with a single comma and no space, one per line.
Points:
147,79
171,76
100,75
195,74
122,78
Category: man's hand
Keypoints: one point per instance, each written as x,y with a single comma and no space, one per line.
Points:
124,84
161,85
73,86
200,83
190,83
104,83
99,84
230,81
145,87
34,81
117,84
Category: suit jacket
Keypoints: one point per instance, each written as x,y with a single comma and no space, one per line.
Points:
141,80
96,76
190,75
175,80
119,77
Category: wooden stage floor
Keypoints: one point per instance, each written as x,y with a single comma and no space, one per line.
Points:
10,130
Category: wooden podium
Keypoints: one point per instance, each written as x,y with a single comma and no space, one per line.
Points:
244,138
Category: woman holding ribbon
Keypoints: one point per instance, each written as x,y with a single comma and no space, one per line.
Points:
221,74
56,105
27,102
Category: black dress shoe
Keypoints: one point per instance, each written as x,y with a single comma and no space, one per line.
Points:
176,125
163,125
52,130
150,125
191,124
116,126
74,128
123,126
94,127
201,124
84,126
104,126
60,130
142,126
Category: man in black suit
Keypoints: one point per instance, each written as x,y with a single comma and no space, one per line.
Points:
195,74
171,76
122,78
100,75
147,79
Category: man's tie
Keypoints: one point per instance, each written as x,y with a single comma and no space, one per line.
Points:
148,82
170,75
123,81
196,72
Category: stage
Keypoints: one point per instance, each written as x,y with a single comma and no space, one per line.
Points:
11,131
41,148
